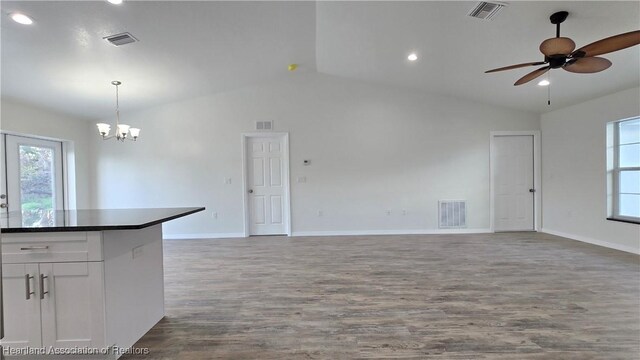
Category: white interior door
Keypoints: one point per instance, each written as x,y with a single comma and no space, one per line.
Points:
34,182
513,183
267,182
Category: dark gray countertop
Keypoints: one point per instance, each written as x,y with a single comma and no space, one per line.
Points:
96,219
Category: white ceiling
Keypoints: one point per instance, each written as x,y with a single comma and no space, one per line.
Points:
188,49
370,41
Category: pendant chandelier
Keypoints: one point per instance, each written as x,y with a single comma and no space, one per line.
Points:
123,132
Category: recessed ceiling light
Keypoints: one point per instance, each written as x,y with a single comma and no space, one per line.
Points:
115,2
412,57
21,19
544,82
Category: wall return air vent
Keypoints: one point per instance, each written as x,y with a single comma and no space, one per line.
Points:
120,39
452,214
486,10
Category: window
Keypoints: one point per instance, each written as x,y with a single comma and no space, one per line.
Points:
623,160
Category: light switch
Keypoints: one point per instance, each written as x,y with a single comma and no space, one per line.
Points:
302,179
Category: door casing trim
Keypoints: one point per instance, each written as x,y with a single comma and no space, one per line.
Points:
68,195
286,171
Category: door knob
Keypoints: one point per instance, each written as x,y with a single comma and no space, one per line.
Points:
3,206
3,196
532,190
250,191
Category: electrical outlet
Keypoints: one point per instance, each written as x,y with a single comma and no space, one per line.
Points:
320,213
137,251
404,212
214,215
227,180
388,212
302,179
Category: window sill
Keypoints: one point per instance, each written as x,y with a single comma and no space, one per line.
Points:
628,221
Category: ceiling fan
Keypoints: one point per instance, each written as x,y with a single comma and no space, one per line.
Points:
559,53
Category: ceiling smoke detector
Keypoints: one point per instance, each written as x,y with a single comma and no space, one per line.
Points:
120,39
486,10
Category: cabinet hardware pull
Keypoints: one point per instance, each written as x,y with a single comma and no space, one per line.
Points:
27,286
34,248
42,292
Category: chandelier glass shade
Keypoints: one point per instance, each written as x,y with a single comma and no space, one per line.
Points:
123,132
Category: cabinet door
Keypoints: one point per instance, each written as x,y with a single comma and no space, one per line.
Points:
72,306
21,305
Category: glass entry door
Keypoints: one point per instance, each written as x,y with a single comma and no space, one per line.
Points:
32,180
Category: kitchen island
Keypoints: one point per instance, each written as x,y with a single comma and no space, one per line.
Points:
84,282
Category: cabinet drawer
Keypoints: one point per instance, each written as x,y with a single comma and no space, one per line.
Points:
51,247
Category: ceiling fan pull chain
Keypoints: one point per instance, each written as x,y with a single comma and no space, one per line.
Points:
549,89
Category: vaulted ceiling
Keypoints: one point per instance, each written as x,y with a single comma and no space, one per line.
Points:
189,49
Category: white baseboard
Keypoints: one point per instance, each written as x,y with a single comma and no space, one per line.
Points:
588,240
391,232
202,236
334,233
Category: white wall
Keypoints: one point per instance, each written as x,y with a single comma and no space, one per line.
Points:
574,200
372,148
25,119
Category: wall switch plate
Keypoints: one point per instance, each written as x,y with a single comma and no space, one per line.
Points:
214,215
320,213
227,180
388,212
302,179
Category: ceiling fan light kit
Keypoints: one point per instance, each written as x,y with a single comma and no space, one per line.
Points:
559,52
559,45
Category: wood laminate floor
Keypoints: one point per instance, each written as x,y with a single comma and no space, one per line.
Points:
490,296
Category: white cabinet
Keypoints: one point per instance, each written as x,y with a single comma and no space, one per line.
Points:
74,279
72,309
22,306
58,305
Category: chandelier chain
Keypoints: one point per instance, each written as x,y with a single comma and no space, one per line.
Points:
117,108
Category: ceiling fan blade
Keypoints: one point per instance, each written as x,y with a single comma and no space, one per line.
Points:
557,46
610,44
587,65
516,66
532,75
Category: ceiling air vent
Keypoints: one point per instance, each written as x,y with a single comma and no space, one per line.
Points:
486,10
120,39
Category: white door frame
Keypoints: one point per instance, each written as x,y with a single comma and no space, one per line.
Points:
62,199
245,186
68,166
537,183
